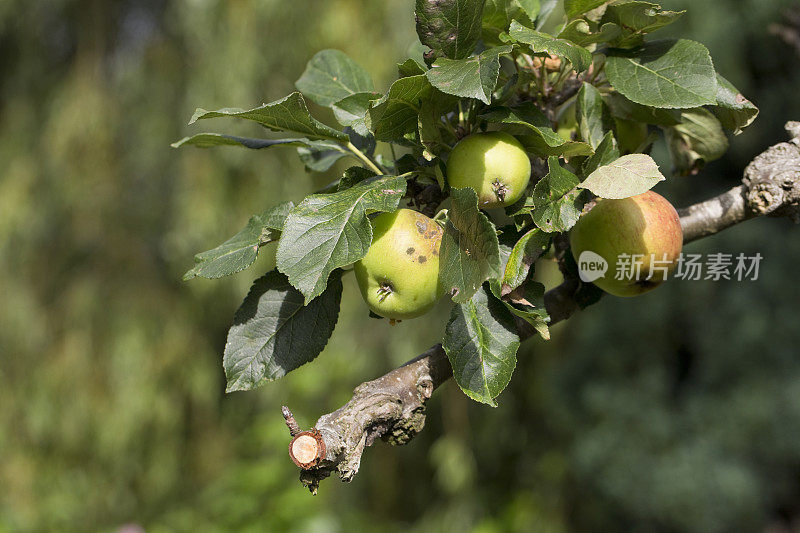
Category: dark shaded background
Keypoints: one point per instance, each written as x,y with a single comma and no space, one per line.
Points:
676,411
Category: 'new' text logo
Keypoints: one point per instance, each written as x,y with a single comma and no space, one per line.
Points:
591,266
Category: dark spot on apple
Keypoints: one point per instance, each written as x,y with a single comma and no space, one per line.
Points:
421,226
422,259
410,251
646,283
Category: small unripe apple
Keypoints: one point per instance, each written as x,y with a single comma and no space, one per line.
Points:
642,233
399,276
493,164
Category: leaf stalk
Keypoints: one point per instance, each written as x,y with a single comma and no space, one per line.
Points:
367,161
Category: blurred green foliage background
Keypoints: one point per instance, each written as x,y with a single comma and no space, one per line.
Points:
676,411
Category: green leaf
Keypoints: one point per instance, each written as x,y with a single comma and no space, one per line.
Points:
354,175
273,333
637,19
526,119
542,43
605,153
580,32
529,7
320,156
524,253
623,108
549,14
669,74
328,231
474,77
594,119
331,76
481,343
207,140
396,113
449,27
733,110
697,140
628,176
407,163
470,252
410,67
241,250
353,111
556,201
541,147
506,240
529,307
432,134
498,14
287,114
574,8
321,159
510,88
366,144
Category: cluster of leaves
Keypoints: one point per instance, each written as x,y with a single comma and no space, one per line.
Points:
587,101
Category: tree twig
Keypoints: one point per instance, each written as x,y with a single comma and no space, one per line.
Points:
392,407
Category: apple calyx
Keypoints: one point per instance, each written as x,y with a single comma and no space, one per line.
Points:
500,190
384,290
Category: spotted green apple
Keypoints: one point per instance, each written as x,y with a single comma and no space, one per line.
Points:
399,276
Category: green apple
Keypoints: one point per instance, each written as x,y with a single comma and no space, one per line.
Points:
493,164
638,238
399,276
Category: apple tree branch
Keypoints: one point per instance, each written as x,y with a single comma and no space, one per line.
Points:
392,407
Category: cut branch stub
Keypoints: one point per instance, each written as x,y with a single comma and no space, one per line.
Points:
307,449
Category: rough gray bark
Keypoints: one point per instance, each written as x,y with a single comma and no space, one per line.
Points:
392,407
771,187
725,210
